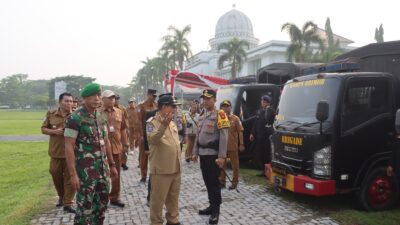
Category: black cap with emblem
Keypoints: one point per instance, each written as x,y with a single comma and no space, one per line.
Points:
208,93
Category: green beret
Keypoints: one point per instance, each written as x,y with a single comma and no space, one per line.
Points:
90,90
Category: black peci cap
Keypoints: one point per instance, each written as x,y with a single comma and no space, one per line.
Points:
152,92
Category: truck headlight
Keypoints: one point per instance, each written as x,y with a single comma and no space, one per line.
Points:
322,162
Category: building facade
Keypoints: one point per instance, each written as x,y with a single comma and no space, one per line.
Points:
236,24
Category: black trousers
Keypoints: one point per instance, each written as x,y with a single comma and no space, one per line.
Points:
211,172
263,151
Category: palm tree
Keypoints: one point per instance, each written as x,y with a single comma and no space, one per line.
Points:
234,53
299,48
176,45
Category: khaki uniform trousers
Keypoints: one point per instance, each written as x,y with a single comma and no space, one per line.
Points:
234,158
116,181
62,181
164,191
143,160
189,146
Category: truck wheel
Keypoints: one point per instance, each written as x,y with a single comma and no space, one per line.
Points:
378,191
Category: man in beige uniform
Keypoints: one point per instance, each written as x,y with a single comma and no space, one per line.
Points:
132,120
165,165
147,106
124,155
116,127
192,121
53,125
235,133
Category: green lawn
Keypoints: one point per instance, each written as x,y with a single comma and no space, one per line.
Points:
21,122
342,208
25,183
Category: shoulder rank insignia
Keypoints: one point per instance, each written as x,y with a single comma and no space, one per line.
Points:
222,121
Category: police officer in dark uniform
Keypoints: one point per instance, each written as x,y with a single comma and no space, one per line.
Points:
211,145
261,131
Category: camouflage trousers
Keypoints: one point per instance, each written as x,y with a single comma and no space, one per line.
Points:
92,200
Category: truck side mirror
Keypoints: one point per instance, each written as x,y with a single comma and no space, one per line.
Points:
397,121
322,113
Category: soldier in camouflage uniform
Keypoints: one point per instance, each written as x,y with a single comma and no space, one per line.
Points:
89,158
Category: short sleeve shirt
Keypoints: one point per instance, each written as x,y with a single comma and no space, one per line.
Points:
116,124
90,131
55,120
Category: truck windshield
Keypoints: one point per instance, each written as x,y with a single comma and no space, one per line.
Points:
299,101
227,94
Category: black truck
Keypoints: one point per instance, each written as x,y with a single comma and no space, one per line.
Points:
245,99
333,131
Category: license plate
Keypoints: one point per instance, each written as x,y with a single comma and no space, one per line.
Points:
280,181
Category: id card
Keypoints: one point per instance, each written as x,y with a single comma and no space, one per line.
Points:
112,129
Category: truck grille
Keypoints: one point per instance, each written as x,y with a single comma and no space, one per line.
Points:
297,164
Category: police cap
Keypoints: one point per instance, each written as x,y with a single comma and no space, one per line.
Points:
225,103
266,98
208,93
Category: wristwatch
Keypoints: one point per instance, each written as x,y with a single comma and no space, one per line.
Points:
112,163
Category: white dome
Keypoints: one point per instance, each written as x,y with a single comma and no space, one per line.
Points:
232,23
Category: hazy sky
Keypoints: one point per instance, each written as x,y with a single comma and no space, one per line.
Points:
108,39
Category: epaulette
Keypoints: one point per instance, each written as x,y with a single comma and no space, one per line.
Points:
222,120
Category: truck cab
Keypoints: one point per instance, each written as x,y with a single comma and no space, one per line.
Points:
245,99
333,133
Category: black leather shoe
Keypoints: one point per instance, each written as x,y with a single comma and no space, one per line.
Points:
60,202
173,223
206,211
143,180
188,160
69,209
124,167
118,203
213,218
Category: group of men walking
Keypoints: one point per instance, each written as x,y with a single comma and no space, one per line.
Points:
88,148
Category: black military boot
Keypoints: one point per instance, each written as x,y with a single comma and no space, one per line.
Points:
206,211
213,218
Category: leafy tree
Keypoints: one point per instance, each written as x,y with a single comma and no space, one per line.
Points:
379,34
74,85
17,91
301,39
234,52
13,90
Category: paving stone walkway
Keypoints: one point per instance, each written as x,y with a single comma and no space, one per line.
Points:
24,138
253,205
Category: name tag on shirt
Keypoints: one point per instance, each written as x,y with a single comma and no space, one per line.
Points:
112,129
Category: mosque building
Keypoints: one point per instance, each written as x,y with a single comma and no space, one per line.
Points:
237,24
